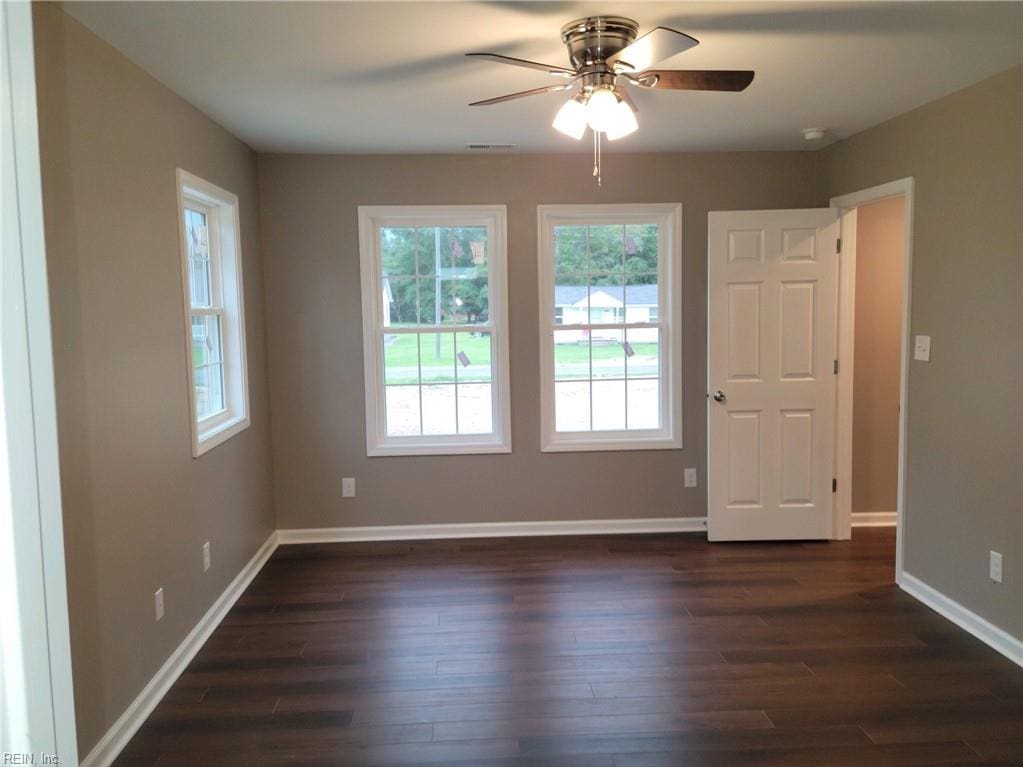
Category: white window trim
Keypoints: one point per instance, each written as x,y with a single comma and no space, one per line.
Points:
217,429
371,219
669,218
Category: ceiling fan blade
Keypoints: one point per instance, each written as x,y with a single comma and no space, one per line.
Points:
657,45
696,79
521,95
548,68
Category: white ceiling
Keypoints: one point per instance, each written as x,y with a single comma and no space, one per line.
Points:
391,77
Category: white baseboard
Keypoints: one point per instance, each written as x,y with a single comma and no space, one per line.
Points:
874,518
493,530
985,631
117,737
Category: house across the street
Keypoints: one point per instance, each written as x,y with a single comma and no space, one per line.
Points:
605,304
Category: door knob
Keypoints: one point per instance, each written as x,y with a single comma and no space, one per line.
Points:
719,396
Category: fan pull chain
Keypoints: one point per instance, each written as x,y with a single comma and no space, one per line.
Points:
597,157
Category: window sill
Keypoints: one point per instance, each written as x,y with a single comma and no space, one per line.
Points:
611,444
439,448
208,439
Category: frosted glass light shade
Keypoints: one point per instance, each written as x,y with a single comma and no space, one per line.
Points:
601,109
623,124
571,119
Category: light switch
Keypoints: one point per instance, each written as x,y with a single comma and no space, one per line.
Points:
922,349
689,477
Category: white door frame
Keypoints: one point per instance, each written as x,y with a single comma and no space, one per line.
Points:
36,695
846,323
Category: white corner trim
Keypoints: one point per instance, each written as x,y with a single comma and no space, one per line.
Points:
493,530
874,518
969,621
117,737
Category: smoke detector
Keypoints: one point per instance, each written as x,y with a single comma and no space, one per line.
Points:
814,134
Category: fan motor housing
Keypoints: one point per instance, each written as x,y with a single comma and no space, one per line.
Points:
593,39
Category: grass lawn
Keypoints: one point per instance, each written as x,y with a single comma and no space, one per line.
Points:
402,350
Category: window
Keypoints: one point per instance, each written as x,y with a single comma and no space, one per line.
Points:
610,325
214,312
434,319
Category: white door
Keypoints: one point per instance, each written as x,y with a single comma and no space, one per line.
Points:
772,336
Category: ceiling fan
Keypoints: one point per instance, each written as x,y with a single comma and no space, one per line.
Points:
606,56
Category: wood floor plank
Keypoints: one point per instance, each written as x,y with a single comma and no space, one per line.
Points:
599,651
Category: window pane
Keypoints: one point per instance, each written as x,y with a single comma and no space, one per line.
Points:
401,358
608,353
571,355
453,309
427,251
473,357
570,250
402,410
399,301
199,272
206,339
437,358
641,247
199,282
209,390
202,401
644,404
468,246
607,303
644,345
607,248
572,406
641,299
429,301
472,299
397,251
571,299
475,409
608,405
439,409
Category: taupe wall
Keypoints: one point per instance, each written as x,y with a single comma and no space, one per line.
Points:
965,417
310,244
137,507
880,246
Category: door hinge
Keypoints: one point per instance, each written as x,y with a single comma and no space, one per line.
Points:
838,245
836,367
834,485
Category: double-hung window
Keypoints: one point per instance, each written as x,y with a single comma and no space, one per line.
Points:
214,312
610,327
434,329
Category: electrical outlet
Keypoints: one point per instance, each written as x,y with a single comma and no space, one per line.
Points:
996,567
690,477
347,487
206,556
158,601
922,349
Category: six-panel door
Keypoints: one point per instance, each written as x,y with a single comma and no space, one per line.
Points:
772,318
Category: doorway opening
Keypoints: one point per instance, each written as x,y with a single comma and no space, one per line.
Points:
873,352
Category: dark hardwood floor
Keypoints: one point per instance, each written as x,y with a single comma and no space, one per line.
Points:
630,651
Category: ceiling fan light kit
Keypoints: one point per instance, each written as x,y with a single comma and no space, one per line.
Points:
606,57
571,118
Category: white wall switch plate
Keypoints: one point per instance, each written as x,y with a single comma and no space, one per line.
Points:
158,601
348,487
922,348
996,567
690,477
206,556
